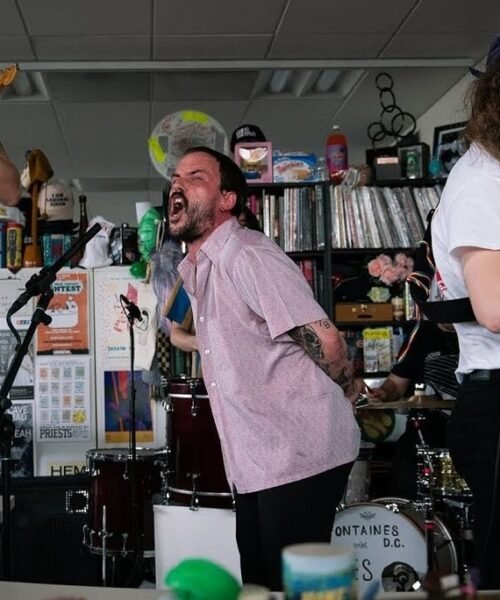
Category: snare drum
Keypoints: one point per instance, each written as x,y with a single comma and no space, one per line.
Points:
196,475
446,481
110,514
387,537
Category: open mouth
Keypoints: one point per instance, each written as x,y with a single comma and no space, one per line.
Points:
177,205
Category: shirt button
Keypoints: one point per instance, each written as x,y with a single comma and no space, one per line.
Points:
202,319
213,384
207,351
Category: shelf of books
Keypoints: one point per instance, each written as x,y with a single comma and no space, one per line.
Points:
380,217
293,216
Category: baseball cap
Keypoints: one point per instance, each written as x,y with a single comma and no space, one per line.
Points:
493,56
246,133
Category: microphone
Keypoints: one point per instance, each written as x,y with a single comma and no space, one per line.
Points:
133,309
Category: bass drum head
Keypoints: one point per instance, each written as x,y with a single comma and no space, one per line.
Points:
389,546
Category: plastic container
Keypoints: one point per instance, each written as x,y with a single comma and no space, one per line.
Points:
336,155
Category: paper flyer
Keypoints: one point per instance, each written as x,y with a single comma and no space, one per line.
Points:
63,399
23,386
68,332
22,447
117,408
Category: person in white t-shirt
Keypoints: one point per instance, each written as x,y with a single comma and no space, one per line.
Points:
466,245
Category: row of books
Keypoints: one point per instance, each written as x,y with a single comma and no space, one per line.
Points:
380,217
373,349
315,277
292,217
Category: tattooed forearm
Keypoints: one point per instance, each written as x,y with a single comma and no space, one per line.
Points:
307,337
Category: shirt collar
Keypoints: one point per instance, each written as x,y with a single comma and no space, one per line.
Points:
211,247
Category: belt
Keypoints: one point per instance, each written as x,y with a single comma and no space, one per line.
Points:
482,375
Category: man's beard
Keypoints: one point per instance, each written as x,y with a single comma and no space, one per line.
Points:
197,220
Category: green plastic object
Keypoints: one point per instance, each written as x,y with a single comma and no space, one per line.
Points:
201,579
138,269
147,230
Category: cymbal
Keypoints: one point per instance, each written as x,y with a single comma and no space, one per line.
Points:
416,402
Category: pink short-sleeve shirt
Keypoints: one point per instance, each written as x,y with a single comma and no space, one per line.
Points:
280,418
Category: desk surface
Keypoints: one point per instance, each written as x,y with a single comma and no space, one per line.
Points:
44,591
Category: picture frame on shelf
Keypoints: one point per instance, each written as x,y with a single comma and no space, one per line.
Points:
413,161
255,159
448,146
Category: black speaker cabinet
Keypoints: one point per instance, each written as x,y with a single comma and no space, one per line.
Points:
46,531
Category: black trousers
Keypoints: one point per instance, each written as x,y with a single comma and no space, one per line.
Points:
473,441
294,513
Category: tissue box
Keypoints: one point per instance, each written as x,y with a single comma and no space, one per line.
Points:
255,160
292,167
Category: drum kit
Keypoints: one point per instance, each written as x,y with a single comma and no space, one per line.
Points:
188,471
397,541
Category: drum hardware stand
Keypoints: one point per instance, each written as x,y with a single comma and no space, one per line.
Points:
464,520
194,404
38,285
428,500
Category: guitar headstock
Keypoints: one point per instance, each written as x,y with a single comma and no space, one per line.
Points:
8,75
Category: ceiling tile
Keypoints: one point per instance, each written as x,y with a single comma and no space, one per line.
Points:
15,48
327,45
10,22
203,85
210,47
355,16
431,45
70,47
107,140
90,17
217,16
98,86
450,16
34,125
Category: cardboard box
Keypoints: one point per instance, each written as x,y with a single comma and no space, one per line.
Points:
360,312
293,167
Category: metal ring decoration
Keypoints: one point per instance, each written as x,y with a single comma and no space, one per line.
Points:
402,121
393,121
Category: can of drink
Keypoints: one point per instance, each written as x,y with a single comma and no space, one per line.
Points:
14,245
3,244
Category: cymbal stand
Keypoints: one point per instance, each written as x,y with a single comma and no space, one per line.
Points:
462,510
428,499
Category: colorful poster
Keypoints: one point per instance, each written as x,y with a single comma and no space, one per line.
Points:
11,287
23,386
22,446
68,332
117,408
63,399
112,328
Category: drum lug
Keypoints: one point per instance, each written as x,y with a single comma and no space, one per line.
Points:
195,501
167,405
85,531
124,544
194,404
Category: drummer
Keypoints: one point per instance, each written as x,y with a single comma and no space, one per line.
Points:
429,355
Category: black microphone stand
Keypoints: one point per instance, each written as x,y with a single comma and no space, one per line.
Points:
38,285
133,313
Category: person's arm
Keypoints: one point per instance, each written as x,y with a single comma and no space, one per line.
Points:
323,343
10,187
393,388
481,269
183,339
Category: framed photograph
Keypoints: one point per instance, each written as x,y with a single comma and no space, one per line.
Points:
449,146
413,161
255,160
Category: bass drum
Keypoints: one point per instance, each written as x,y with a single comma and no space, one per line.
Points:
388,540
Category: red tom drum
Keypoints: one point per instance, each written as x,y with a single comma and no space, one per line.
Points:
110,514
196,474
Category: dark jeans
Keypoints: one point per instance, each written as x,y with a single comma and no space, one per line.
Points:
294,513
473,441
